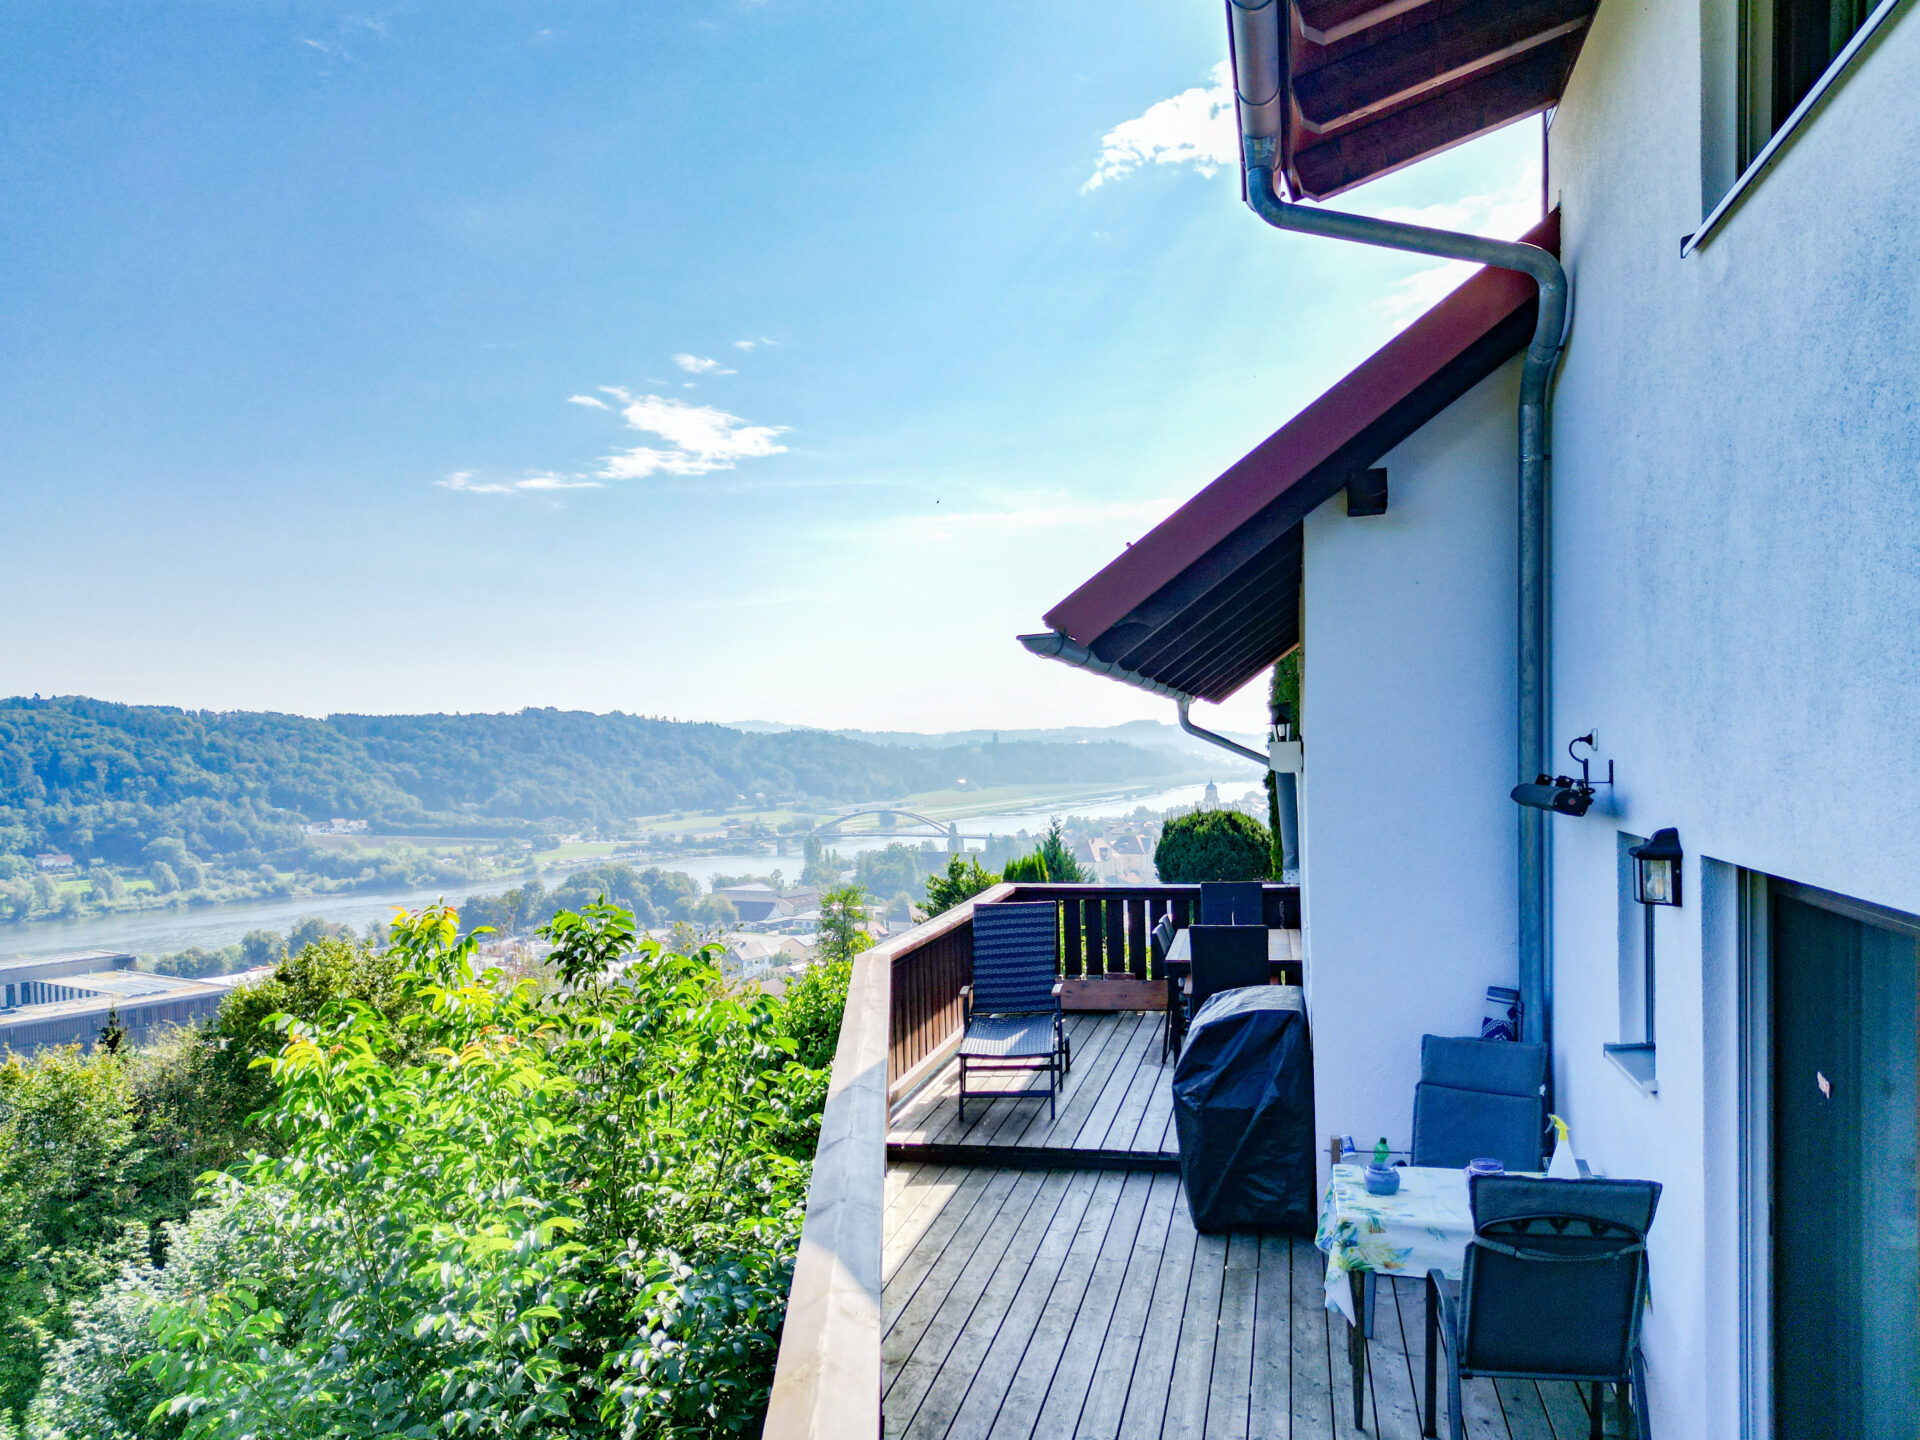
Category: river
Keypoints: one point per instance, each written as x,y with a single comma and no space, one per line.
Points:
156,932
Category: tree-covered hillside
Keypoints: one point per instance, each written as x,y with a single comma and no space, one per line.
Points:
104,781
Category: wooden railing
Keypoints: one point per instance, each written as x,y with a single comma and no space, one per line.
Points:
902,1021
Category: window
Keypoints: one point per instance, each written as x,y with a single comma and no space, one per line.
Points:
1788,45
1634,1051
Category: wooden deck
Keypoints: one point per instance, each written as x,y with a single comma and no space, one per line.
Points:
1114,1112
1067,1294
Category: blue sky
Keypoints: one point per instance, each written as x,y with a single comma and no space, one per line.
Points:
775,360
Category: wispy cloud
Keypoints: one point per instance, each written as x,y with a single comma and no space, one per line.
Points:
751,344
701,365
469,482
588,400
1195,127
1503,214
699,439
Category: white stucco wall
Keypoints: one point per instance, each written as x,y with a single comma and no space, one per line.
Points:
1736,603
1407,709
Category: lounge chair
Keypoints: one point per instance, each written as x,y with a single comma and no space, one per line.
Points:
1012,1008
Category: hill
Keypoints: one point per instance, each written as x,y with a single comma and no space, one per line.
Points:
104,781
1147,734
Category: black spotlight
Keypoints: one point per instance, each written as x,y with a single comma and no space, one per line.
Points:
1562,794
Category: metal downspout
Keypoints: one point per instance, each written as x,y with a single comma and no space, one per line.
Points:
1257,60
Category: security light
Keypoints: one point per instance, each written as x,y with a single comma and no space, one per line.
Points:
1562,794
1656,869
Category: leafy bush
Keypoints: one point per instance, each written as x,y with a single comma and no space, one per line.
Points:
1052,863
964,879
1213,845
512,1210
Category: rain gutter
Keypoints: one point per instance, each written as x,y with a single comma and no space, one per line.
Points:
1259,63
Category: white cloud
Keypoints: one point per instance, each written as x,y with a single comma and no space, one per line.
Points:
469,482
1195,127
700,365
1503,214
588,400
745,344
699,438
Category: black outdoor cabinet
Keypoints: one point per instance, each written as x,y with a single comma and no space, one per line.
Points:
1243,1110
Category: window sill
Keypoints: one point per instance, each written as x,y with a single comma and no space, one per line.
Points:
1831,78
1636,1063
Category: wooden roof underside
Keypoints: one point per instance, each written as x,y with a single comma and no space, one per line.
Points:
1376,84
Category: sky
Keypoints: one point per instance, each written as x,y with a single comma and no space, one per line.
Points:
776,360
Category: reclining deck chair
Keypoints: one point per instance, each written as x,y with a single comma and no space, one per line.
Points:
1012,1008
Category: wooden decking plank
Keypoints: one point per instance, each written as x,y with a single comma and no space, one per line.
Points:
1480,1405
989,1188
1093,1131
1311,1406
1025,1392
1082,1090
1520,1406
943,1201
1126,1338
915,1345
944,1123
1009,1121
1268,1399
988,1341
1566,1407
1186,1417
1095,1325
1229,1389
1153,1373
1394,1398
1151,1133
1124,1131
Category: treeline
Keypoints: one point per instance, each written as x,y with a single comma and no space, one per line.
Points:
103,781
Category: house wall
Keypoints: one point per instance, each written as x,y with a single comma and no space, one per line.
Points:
1736,597
1407,709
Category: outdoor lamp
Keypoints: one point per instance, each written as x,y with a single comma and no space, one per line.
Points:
1656,869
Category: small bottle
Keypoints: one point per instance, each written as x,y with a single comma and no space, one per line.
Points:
1381,1153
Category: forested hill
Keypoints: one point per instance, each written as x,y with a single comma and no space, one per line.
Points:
101,780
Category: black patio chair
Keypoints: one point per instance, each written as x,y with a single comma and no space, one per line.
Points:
1479,1098
1160,942
1232,902
1225,957
1012,1008
1553,1288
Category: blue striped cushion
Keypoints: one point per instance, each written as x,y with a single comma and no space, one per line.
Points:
1015,957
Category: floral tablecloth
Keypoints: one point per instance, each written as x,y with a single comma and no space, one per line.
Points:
1424,1226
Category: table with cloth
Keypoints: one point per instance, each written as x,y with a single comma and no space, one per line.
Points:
1425,1225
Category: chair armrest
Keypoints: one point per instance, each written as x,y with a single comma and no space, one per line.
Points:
1059,987
966,1005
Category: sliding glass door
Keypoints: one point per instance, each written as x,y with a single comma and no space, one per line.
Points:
1843,1111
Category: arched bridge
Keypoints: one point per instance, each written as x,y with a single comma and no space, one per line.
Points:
891,823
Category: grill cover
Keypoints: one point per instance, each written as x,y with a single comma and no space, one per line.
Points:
1243,1111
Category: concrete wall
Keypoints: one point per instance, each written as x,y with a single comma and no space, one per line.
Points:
1737,591
1407,708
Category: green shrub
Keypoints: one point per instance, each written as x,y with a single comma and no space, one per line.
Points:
964,879
1052,863
1213,845
511,1209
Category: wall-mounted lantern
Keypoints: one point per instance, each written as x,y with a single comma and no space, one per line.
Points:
1656,869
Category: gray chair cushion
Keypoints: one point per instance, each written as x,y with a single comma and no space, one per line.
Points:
1008,1037
1498,1067
1451,1127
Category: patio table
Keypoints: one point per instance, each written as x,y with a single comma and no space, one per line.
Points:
1425,1225
1283,949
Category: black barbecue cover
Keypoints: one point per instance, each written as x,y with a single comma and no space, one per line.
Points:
1243,1109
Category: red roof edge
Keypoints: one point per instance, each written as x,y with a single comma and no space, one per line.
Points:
1385,379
